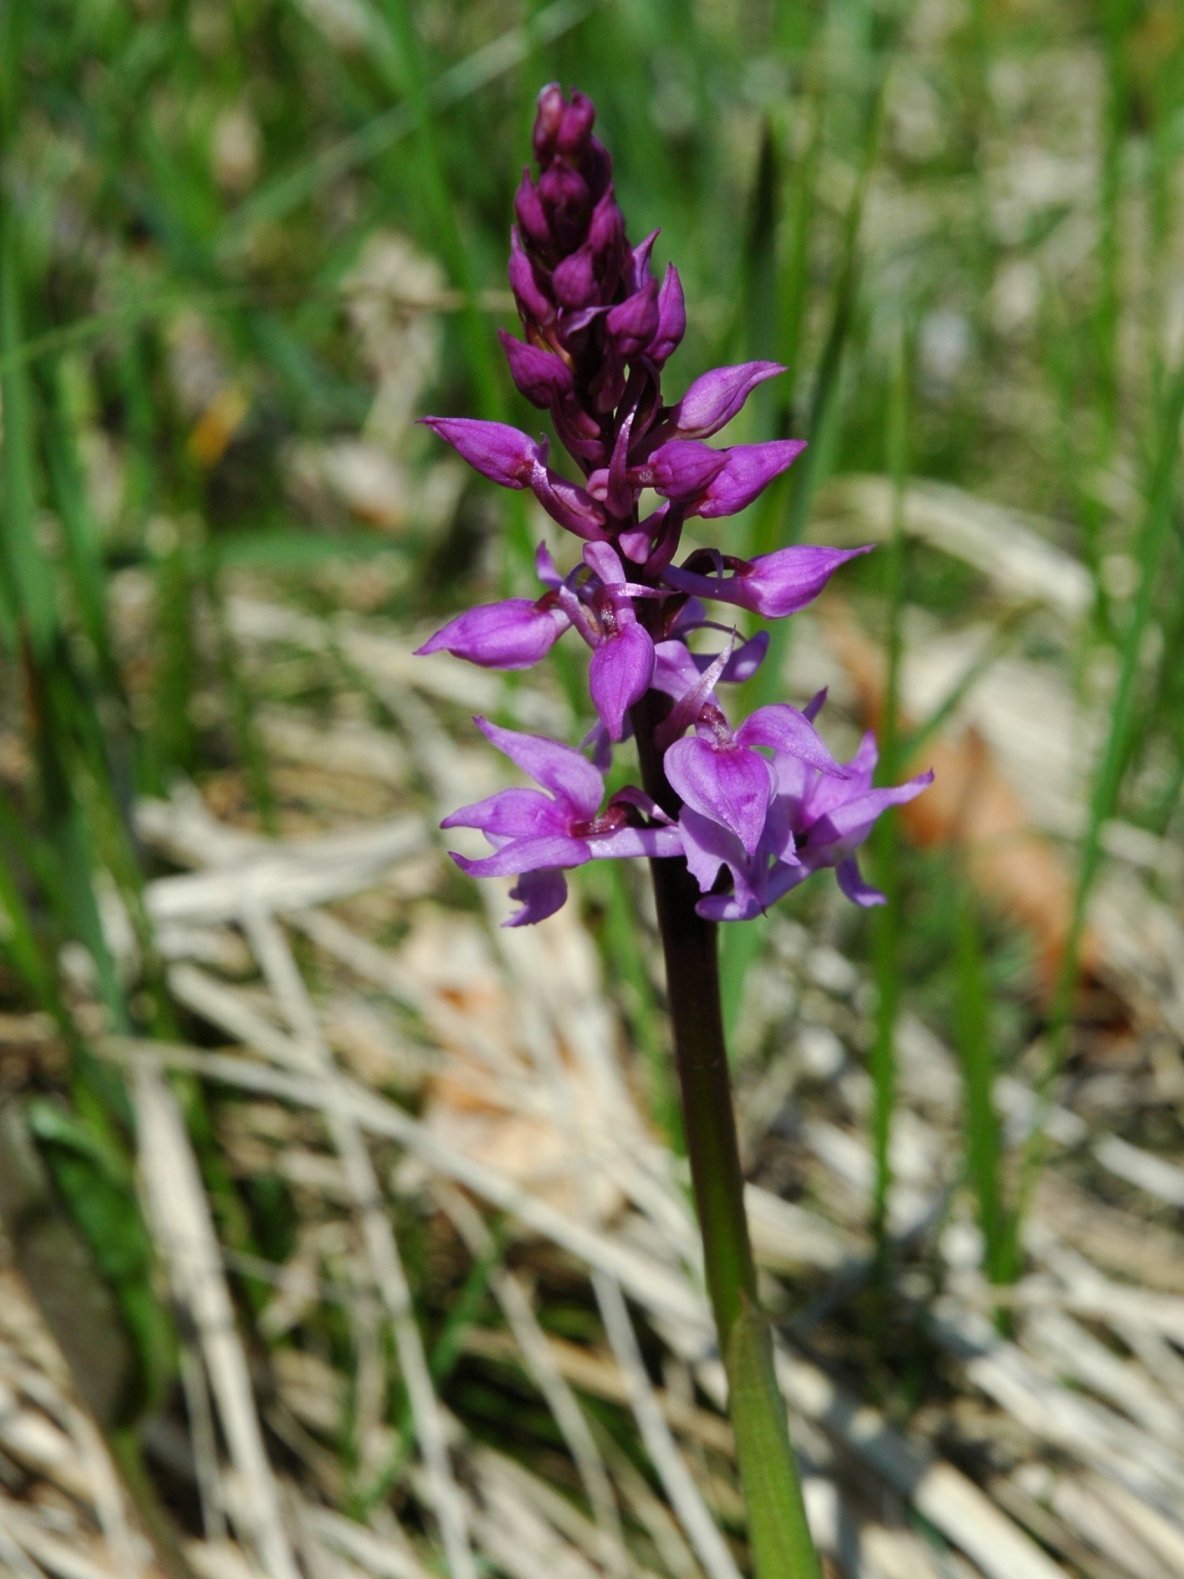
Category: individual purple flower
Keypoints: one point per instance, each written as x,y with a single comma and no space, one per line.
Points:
831,821
536,836
814,819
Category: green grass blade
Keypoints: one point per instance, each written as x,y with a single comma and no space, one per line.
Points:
887,921
1149,552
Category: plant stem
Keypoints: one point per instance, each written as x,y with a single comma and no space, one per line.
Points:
779,1535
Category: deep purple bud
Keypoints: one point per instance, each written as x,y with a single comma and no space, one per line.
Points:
713,400
574,279
533,303
606,229
503,454
639,264
679,469
542,376
564,193
672,317
632,323
513,634
575,124
748,470
548,119
532,218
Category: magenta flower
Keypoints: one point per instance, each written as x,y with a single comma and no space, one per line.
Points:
815,817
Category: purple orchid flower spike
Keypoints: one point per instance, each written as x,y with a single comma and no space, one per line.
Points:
537,836
597,331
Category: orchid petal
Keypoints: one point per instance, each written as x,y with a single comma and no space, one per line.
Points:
856,888
605,561
540,895
573,780
708,845
572,506
512,814
783,728
748,471
850,823
772,585
527,855
628,843
679,469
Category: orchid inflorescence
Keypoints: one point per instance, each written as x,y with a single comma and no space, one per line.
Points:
755,809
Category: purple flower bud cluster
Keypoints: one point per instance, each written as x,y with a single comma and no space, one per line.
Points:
752,809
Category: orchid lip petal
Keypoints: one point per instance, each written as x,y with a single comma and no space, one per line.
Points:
620,674
539,894
730,784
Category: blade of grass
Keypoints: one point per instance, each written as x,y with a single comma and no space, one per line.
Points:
1149,552
983,1138
27,604
885,922
739,945
468,76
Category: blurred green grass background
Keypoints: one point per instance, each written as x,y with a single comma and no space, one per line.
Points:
239,236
